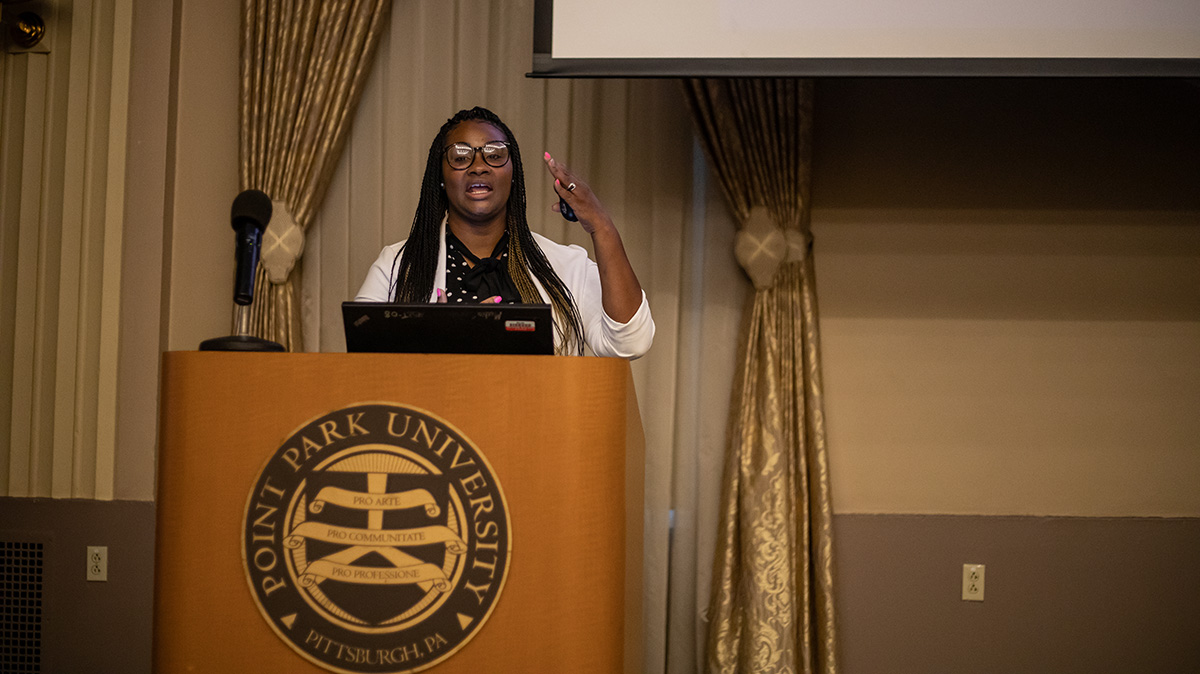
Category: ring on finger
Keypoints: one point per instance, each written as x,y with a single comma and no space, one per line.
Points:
571,187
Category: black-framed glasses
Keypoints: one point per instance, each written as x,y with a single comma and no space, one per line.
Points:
460,156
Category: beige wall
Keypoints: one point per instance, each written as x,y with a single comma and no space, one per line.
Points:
1009,278
142,264
1010,398
181,180
200,273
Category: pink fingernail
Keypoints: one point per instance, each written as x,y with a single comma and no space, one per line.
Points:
497,300
440,293
547,156
556,182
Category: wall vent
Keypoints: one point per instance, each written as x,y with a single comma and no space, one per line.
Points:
21,566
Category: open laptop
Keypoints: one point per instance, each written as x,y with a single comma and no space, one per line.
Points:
448,328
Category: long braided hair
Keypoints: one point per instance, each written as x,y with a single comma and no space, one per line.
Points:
415,265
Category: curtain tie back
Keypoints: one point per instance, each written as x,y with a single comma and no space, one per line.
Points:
762,247
283,243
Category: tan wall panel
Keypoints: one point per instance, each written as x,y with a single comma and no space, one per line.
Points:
983,364
1013,417
146,226
206,141
63,145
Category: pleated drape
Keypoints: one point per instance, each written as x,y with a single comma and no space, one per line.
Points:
772,604
757,133
303,66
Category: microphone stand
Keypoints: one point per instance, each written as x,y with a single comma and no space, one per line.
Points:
250,214
241,339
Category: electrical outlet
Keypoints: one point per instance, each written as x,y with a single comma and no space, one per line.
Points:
972,587
97,563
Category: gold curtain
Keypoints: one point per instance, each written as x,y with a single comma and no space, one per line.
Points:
772,604
304,63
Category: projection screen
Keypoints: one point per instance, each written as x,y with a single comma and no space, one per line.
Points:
673,38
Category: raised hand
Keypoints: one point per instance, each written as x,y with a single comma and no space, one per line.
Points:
572,189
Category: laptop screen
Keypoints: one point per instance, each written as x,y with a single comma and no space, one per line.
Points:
448,328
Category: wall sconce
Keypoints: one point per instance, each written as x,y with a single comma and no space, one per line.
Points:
27,30
24,30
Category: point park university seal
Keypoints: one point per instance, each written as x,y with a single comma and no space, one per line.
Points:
376,539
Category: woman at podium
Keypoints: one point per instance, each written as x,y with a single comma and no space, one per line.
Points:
470,242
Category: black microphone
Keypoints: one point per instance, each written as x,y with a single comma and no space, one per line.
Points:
250,214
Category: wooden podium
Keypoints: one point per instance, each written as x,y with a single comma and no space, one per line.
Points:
562,436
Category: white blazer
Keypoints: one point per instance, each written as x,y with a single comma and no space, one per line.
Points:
605,336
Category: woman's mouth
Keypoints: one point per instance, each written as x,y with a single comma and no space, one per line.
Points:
478,189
